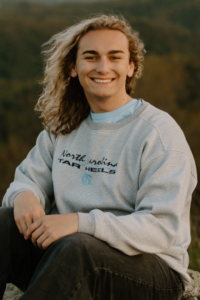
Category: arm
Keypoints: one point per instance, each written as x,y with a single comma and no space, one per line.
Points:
31,195
34,173
165,185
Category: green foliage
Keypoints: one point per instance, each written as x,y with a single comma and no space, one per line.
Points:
19,126
16,106
194,247
189,97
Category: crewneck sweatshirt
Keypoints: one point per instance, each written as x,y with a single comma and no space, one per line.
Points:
130,183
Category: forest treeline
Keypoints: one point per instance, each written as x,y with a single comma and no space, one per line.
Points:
171,79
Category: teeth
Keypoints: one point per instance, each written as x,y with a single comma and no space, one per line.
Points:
100,80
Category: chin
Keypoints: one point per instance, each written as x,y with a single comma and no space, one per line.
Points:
103,96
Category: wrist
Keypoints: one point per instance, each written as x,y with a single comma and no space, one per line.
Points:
23,195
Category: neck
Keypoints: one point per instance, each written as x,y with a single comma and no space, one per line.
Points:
107,105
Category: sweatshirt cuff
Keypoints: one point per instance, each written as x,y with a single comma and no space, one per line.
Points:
86,223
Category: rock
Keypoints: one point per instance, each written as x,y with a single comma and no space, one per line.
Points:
12,292
192,292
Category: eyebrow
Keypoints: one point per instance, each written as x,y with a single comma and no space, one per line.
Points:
96,53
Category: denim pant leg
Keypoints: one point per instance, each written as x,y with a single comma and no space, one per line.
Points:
81,267
18,257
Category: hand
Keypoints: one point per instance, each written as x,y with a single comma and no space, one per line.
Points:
51,228
27,210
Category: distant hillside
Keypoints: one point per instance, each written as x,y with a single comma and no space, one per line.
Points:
184,13
50,1
165,26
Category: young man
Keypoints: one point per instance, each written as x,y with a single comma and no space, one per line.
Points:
121,174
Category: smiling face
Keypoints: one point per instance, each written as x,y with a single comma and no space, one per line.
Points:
102,66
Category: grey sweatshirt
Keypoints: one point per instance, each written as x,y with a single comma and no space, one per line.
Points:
130,182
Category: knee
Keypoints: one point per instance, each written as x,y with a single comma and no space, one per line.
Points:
74,250
74,244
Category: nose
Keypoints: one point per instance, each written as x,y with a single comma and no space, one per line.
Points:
103,66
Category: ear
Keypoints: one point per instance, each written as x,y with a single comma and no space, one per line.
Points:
74,72
131,69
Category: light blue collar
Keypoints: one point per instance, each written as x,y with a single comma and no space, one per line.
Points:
116,115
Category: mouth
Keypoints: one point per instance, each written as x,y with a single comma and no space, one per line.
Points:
104,81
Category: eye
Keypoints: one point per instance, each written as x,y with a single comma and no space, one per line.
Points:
114,58
91,57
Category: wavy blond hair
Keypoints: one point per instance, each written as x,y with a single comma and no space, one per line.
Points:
63,104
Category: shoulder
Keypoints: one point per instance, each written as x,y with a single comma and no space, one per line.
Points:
45,141
163,134
166,128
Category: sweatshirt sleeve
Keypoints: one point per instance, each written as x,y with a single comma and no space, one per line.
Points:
34,174
165,185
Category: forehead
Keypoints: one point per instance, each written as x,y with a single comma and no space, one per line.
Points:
102,40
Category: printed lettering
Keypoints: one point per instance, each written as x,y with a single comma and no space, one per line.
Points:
112,171
63,154
66,162
103,171
101,162
78,156
92,162
76,165
82,158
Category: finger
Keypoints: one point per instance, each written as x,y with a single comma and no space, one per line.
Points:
23,227
36,234
32,228
35,237
41,240
34,241
28,222
47,243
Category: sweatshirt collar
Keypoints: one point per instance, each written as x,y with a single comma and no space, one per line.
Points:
113,126
116,115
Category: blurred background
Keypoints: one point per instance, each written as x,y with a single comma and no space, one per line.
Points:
171,80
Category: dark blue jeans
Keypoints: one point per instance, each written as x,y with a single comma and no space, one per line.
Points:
81,267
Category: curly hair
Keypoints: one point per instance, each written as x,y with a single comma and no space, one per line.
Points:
63,104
